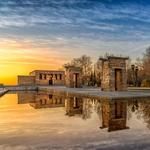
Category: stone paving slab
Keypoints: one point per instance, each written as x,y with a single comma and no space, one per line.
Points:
96,92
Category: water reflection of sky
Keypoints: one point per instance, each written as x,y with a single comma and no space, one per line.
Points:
23,126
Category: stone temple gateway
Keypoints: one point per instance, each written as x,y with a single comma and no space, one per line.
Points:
73,77
114,75
43,77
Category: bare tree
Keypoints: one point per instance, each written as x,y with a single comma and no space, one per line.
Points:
98,71
86,64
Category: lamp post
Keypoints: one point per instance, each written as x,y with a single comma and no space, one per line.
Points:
135,74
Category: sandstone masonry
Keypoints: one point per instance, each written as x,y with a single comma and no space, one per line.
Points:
43,77
114,76
73,77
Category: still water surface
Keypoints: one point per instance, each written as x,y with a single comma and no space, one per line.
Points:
31,120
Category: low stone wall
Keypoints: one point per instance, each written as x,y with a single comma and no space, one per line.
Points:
21,88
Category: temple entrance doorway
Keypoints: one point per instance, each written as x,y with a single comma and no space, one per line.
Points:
118,79
51,82
75,80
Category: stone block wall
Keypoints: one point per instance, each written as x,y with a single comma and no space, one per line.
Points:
105,83
114,64
114,76
43,77
73,77
26,80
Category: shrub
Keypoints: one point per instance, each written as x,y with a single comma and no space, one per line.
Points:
145,83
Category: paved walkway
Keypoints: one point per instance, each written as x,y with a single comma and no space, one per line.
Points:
2,92
96,92
139,89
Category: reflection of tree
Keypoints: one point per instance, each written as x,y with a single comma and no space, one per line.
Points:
86,64
141,108
87,108
144,111
98,108
133,106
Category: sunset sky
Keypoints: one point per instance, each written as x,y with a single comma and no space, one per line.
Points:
45,34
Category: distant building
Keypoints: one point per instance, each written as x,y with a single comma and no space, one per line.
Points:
48,77
43,77
71,78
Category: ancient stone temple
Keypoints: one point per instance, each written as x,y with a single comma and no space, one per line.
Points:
114,115
26,80
43,77
114,76
48,77
73,77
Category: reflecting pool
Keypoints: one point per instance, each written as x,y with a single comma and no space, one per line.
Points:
39,120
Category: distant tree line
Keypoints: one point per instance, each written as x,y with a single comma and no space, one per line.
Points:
139,72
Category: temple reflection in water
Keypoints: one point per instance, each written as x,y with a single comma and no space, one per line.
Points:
47,101
74,106
41,100
25,97
79,107
112,114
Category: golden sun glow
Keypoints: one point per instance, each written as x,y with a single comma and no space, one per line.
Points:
17,58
